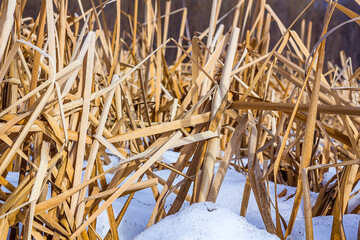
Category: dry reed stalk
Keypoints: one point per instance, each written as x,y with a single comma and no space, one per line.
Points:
221,93
308,140
83,126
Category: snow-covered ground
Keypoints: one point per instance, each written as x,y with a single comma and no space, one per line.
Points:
204,220
196,222
213,221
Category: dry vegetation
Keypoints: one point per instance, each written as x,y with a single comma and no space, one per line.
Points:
71,87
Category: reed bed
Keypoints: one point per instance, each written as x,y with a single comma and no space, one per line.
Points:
76,93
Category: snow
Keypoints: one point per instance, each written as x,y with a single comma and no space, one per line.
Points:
204,221
13,178
322,227
170,157
213,221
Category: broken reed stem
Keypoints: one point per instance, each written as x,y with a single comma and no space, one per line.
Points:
285,107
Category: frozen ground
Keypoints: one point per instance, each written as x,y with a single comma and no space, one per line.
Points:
213,221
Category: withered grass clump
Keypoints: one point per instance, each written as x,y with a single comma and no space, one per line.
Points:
72,87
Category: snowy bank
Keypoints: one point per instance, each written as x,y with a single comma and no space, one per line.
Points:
204,221
199,223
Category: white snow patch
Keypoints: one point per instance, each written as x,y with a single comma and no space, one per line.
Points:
322,227
13,178
170,157
204,221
